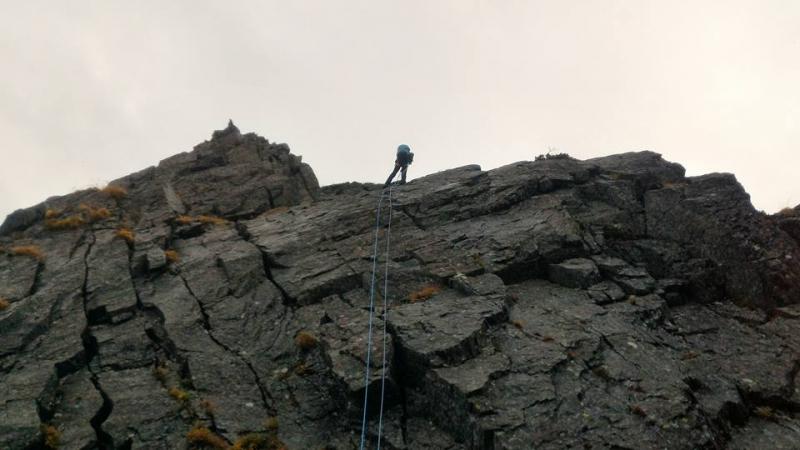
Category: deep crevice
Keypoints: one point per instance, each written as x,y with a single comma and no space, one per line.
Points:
104,440
37,279
270,198
267,262
266,398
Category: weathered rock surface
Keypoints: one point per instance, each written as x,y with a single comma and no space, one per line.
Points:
608,303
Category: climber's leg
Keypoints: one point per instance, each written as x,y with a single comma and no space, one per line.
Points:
394,172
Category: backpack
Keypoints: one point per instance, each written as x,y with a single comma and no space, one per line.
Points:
404,155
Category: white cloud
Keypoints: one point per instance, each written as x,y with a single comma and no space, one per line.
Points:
95,90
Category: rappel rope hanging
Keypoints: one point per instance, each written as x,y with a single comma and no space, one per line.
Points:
372,314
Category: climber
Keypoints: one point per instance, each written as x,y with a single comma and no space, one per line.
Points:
404,158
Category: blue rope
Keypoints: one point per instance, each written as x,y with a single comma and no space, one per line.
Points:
385,316
371,313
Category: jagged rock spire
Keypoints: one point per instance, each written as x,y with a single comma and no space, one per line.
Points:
230,130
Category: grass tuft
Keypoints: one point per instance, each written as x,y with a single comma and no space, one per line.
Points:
305,340
184,220
548,338
125,234
275,211
202,219
51,436
211,220
549,155
115,192
788,212
765,412
94,214
179,394
259,441
252,441
636,388
271,423
424,294
161,372
208,407
638,410
51,214
32,251
517,324
202,437
172,256
691,354
602,372
672,184
302,369
67,223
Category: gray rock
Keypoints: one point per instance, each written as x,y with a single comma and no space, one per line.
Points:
576,272
679,331
22,219
606,292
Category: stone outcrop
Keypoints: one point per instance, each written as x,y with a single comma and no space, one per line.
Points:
607,303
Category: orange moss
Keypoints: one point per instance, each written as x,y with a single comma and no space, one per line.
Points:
172,256
517,324
115,192
305,340
51,436
202,437
32,251
424,294
4,304
126,234
548,338
787,212
51,214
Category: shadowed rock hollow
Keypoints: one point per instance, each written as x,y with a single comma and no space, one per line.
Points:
607,303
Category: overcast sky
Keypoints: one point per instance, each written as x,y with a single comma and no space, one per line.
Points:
94,90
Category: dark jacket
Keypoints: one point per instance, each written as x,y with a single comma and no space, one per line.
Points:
404,156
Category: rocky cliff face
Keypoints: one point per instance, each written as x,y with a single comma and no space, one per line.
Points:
608,303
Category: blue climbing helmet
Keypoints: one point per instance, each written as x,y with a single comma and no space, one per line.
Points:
404,154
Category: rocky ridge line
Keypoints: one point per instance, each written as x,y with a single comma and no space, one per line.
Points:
611,302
